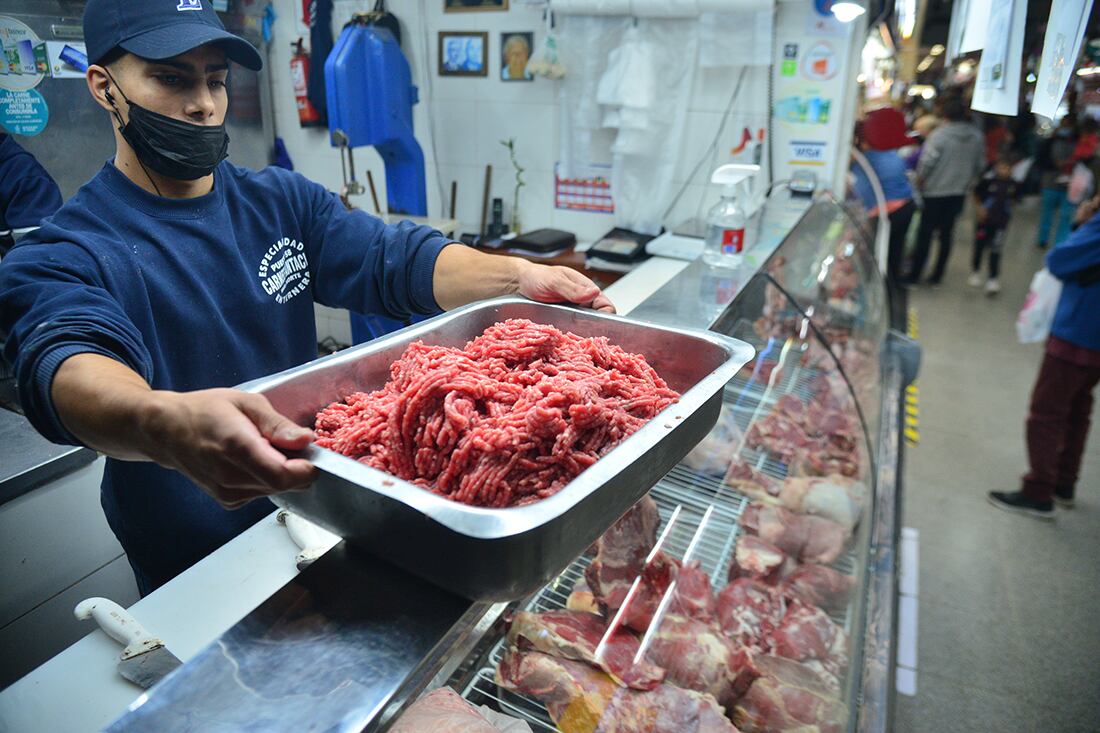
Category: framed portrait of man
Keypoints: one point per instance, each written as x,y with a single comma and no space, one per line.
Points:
463,53
515,52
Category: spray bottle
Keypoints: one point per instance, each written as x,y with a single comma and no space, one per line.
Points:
726,220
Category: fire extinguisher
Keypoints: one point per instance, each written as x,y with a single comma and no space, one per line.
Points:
299,78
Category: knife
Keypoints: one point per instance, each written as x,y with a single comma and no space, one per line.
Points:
145,660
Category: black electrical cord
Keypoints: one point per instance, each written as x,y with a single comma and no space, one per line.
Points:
710,148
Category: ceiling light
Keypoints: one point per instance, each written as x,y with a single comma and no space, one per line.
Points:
936,50
848,10
1088,71
1031,78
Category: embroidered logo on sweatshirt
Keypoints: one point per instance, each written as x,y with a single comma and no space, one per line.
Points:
284,270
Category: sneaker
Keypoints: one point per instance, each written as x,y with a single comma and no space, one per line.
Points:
993,286
975,280
1064,499
1015,501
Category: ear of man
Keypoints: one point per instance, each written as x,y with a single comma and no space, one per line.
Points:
99,81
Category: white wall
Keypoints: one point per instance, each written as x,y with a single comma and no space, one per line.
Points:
469,116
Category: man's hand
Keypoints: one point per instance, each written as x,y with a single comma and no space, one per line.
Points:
463,275
1087,210
547,284
226,441
983,213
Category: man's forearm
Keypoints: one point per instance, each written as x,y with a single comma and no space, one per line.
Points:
102,402
463,275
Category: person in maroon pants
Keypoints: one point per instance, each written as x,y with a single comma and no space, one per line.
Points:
1061,403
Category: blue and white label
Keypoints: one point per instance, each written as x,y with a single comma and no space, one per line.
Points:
808,152
23,112
189,5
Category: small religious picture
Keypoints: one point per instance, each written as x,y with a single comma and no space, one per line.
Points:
473,6
463,53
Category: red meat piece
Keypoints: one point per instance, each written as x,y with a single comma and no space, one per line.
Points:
510,418
581,698
806,634
697,656
576,635
803,537
749,611
788,696
621,553
442,710
819,585
692,596
754,558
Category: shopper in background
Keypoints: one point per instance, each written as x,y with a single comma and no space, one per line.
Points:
993,197
1061,403
1087,141
997,139
1055,161
951,159
879,136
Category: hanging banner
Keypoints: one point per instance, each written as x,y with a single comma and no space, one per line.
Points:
997,90
977,21
1062,45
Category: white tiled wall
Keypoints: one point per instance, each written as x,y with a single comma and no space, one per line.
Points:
470,116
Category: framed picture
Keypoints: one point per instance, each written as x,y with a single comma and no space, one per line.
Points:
473,6
515,51
463,53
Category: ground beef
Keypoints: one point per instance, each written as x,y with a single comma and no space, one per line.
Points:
507,420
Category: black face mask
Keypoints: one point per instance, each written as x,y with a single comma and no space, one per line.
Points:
171,147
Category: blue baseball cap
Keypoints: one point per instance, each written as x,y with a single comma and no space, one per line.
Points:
160,29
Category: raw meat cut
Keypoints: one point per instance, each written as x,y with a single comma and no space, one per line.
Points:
806,634
754,558
790,697
814,439
582,598
509,419
696,656
819,585
692,596
712,454
621,553
750,482
582,699
576,635
443,710
803,537
833,497
749,612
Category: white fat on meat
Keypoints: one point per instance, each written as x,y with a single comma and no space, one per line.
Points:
834,497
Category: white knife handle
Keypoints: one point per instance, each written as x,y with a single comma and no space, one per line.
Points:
117,623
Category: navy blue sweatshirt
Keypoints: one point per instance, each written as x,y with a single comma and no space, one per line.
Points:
193,294
1076,262
27,192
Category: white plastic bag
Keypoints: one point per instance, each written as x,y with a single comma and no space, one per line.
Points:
1033,323
1081,184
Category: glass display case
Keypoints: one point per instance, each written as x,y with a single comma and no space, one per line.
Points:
736,592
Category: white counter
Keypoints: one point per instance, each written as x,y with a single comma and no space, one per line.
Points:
80,689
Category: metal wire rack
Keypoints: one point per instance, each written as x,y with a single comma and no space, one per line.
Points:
693,493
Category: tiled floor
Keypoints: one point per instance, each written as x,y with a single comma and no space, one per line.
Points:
1009,636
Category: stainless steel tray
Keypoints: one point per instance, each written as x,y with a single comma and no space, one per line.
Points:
500,554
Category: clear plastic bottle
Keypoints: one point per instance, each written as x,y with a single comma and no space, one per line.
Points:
725,242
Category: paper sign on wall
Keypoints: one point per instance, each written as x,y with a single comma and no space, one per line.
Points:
1062,44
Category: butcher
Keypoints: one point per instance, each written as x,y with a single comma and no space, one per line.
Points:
173,274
